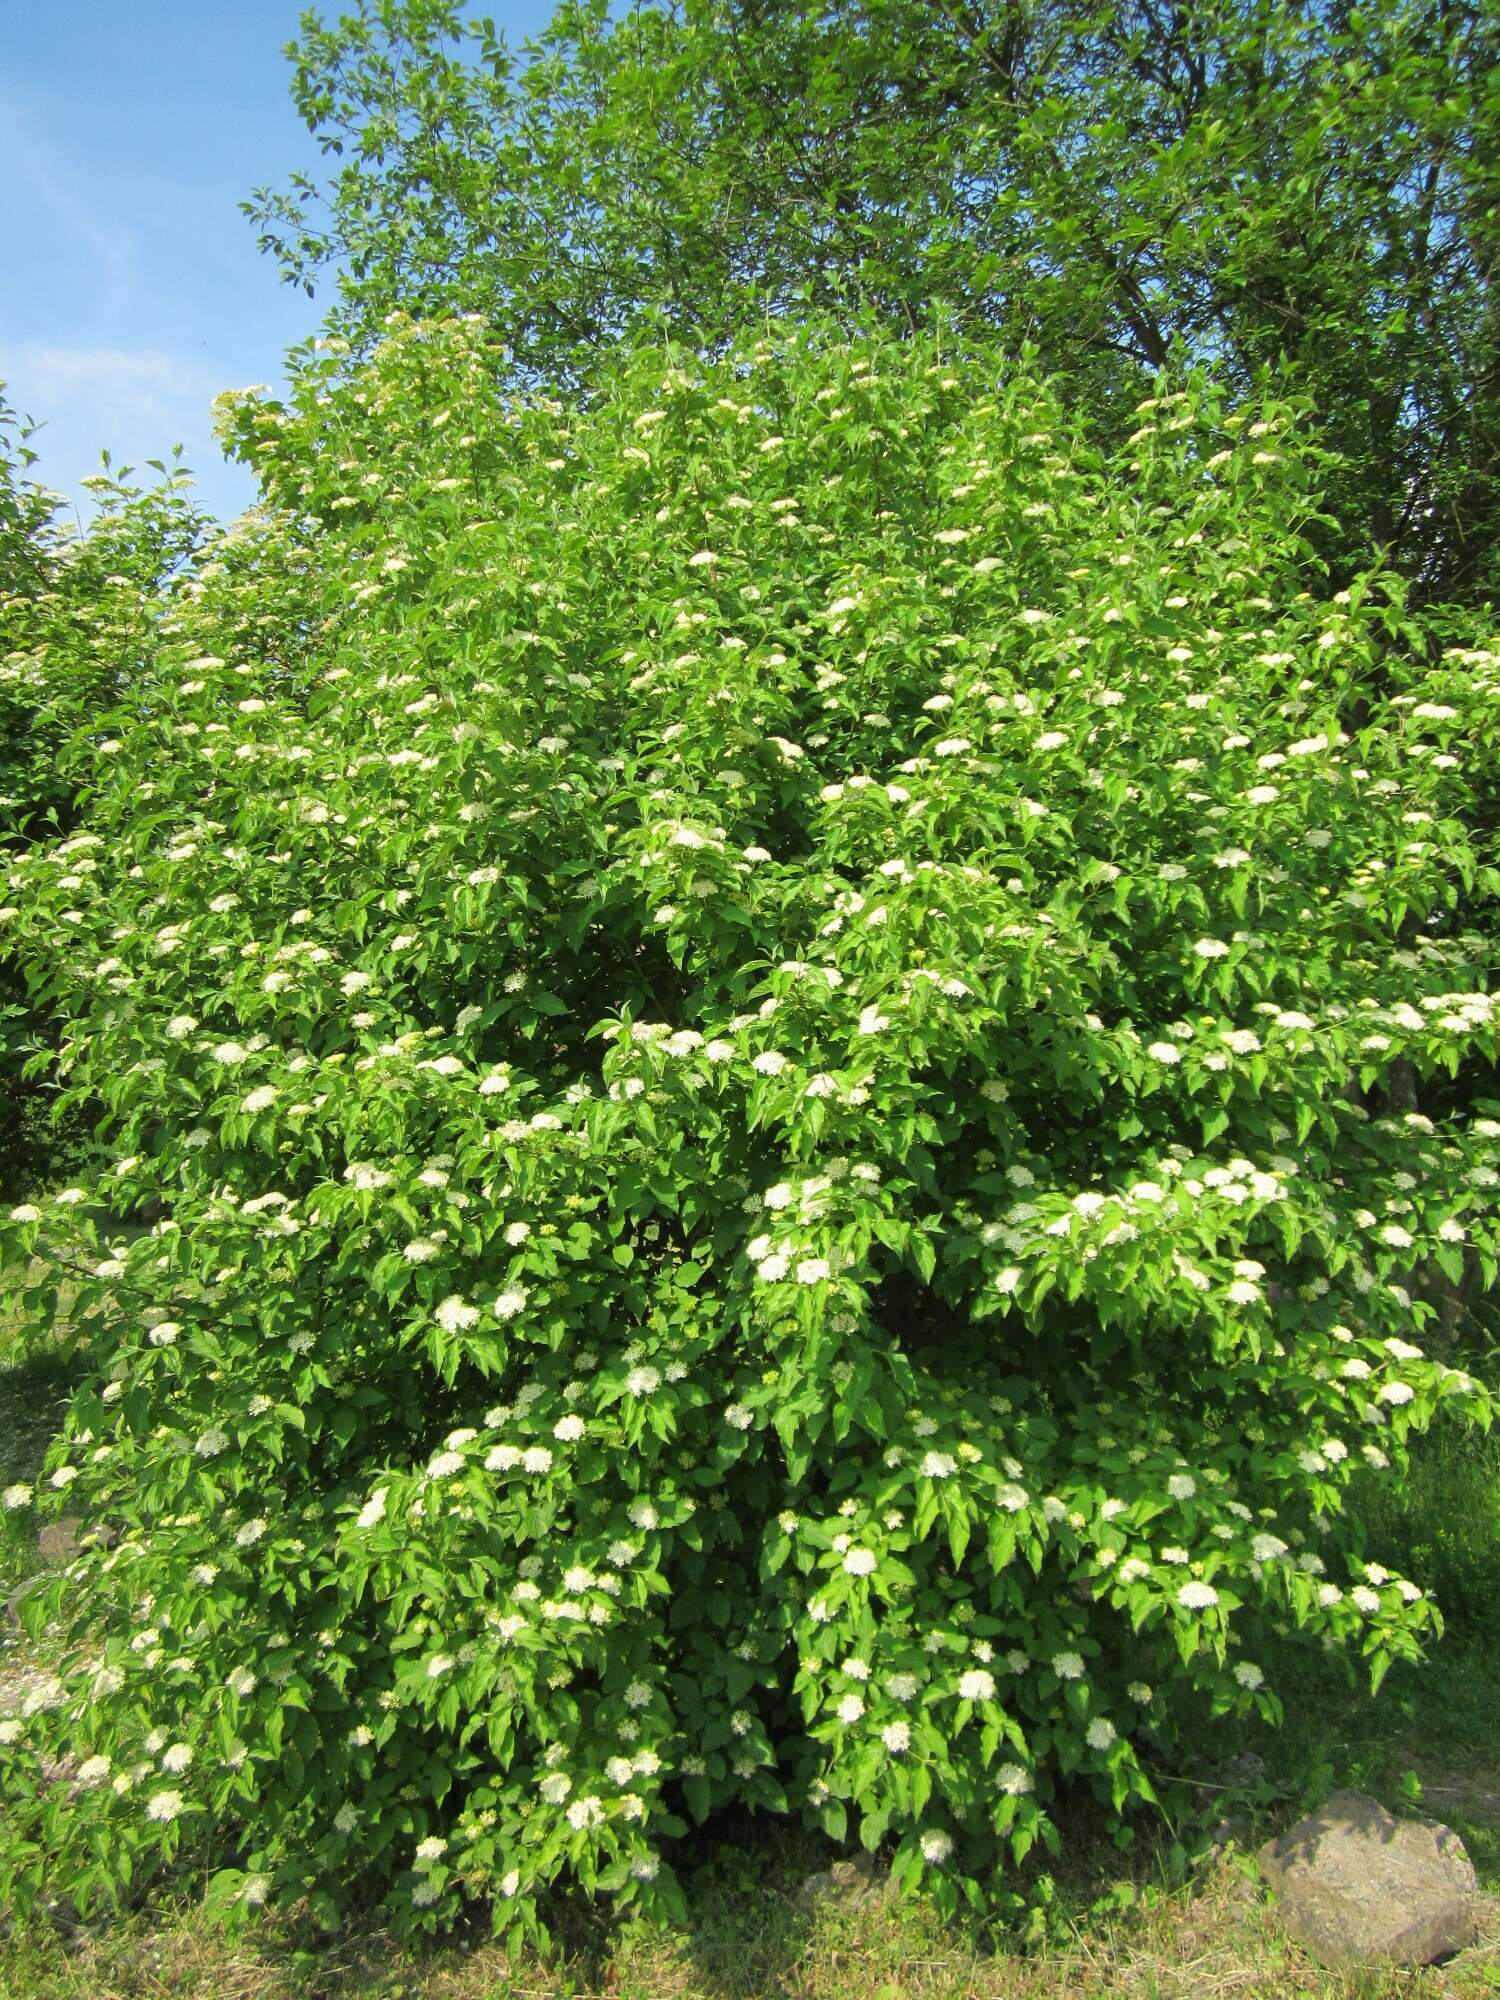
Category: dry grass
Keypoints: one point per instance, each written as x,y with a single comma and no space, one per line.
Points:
750,1939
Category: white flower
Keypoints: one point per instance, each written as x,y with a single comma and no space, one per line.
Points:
1067,1666
850,1708
936,1846
1182,1486
1100,1733
1395,1392
859,1562
770,1062
1246,1672
937,1465
454,1314
1211,948
164,1806
177,1759
511,1301
1194,1596
1013,1779
1165,1052
568,1430
15,1497
896,1736
444,1464
976,1685
813,1270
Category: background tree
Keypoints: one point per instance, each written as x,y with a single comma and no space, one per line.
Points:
1256,183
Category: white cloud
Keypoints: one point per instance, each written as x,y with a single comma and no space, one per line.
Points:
136,403
121,389
29,162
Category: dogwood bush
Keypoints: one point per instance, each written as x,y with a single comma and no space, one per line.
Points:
755,1026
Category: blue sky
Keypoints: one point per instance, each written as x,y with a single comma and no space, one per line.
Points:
133,291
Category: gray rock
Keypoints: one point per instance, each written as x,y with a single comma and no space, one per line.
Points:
847,1884
17,1598
1357,1886
58,1542
59,1771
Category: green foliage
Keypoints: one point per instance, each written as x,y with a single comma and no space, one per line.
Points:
1252,183
73,611
29,543
747,1021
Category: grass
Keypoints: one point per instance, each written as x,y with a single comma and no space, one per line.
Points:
749,1939
1144,1923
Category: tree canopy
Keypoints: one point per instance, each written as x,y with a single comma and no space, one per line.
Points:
1256,184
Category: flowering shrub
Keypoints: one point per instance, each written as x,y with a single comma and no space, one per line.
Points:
756,1021
71,611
